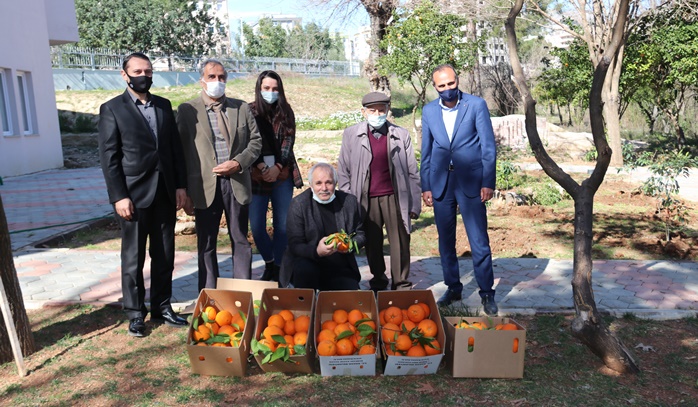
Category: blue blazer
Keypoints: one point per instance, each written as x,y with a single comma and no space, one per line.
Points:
472,149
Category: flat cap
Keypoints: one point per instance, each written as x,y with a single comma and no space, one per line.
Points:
375,97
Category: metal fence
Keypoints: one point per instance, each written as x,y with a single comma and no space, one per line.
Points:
72,57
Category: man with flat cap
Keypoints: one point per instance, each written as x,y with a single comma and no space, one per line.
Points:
378,166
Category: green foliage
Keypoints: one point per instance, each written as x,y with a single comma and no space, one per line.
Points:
64,123
566,80
84,124
168,26
547,194
308,42
336,121
666,169
505,172
421,39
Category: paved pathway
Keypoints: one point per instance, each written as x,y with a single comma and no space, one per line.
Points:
658,289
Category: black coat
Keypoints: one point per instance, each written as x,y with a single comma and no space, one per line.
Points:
304,229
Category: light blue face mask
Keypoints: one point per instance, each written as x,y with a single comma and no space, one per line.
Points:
320,201
270,97
377,121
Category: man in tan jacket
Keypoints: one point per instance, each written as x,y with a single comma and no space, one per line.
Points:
377,165
220,141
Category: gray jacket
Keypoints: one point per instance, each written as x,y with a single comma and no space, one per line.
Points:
354,165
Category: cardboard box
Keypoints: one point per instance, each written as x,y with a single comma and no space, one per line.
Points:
220,361
327,303
300,301
404,365
492,354
256,287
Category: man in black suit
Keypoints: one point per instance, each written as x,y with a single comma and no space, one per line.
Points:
142,161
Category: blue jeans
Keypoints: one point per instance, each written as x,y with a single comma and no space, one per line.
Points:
280,201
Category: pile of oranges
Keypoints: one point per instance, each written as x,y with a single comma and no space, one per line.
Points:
409,332
481,326
214,327
284,333
347,333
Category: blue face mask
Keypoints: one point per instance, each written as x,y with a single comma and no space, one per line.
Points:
320,201
377,121
270,97
449,95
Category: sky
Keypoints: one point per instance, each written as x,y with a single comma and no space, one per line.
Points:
249,11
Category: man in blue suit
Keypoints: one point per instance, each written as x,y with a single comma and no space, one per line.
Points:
458,170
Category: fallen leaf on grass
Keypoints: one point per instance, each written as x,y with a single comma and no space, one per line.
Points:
425,388
645,348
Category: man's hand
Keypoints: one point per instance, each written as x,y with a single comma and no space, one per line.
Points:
124,208
227,168
271,174
427,198
486,194
180,197
323,249
189,207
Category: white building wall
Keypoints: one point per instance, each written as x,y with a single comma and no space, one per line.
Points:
26,31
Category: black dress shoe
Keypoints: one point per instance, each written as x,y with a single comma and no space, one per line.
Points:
489,305
169,318
449,297
136,327
268,271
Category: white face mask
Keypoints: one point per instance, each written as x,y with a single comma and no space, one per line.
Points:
270,97
320,201
215,89
377,121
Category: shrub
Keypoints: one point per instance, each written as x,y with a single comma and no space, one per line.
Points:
84,124
547,194
505,174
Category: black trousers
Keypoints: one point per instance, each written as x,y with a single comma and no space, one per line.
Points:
308,273
156,224
207,224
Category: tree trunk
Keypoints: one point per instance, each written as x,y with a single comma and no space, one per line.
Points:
14,296
379,13
587,326
610,96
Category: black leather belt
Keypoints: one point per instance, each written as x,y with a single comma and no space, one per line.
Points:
450,167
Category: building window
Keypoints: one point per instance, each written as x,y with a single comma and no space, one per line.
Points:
5,106
26,101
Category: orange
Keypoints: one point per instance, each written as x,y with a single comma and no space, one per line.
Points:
404,314
381,317
389,332
203,333
271,331
393,315
428,327
224,318
340,316
355,340
426,309
508,327
471,341
289,340
226,329
300,338
345,347
515,348
329,324
326,348
201,344
339,329
276,320
415,313
220,344
391,352
268,343
302,323
434,349
354,316
290,327
479,326
407,326
367,349
210,313
372,324
416,351
403,342
326,335
213,327
238,322
287,315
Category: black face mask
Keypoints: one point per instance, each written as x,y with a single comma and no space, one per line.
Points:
140,84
